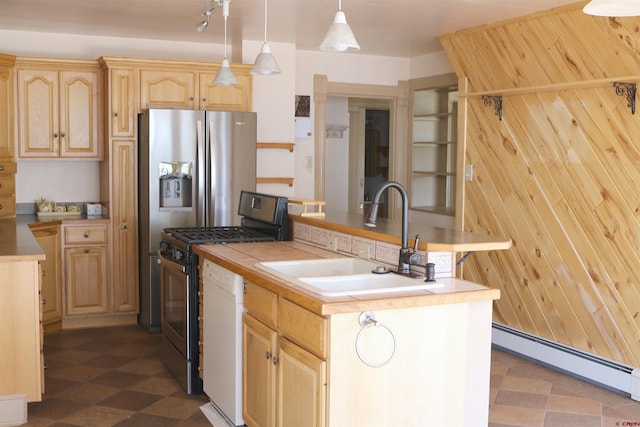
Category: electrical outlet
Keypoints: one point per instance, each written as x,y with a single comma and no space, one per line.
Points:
308,162
332,243
363,251
468,172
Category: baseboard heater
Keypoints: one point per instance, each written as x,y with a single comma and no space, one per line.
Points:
606,373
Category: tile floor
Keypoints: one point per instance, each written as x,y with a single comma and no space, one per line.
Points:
114,377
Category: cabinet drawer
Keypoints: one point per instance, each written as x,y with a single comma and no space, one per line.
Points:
7,185
7,206
261,303
8,167
84,235
303,327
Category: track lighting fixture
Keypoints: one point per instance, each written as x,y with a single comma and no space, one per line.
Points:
225,76
204,24
339,37
265,63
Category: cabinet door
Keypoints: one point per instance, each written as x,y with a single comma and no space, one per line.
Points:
226,98
125,231
259,373
301,387
6,114
167,89
38,113
85,280
51,293
79,93
123,108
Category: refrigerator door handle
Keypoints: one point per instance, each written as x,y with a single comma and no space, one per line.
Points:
201,178
211,175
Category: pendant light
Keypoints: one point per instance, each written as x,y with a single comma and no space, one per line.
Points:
265,63
613,8
339,37
225,76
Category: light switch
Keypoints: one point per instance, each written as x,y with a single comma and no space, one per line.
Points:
468,172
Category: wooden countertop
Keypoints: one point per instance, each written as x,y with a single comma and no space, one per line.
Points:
17,242
431,238
242,257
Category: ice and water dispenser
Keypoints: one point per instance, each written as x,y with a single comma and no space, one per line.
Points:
176,185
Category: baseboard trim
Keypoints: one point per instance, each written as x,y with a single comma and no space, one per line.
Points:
13,410
595,369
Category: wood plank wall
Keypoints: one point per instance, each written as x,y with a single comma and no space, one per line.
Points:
560,174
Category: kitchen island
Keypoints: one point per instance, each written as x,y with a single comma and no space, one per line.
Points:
307,359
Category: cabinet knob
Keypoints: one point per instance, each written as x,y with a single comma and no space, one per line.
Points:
125,227
204,99
191,98
1,168
86,251
1,206
268,355
62,135
115,114
44,273
86,235
55,135
275,360
44,301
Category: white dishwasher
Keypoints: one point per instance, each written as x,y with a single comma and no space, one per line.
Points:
222,340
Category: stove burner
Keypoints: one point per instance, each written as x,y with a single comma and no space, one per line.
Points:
200,235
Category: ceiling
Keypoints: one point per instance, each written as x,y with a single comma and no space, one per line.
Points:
399,28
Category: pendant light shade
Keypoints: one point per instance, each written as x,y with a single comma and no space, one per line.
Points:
225,76
265,62
339,38
613,8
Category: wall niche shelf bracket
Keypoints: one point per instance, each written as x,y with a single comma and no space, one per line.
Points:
495,102
628,89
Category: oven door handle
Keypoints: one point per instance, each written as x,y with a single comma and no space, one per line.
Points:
173,264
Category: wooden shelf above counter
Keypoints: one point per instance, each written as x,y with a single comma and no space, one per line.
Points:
431,238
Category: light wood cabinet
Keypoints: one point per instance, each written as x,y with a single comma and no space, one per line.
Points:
8,169
284,384
121,105
170,87
124,220
58,111
48,236
7,63
85,269
21,353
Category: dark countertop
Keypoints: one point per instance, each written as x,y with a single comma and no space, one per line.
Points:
17,241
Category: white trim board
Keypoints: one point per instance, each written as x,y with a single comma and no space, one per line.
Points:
606,373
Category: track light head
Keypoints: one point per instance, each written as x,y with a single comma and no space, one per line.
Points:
204,24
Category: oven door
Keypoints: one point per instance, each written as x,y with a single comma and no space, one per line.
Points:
174,285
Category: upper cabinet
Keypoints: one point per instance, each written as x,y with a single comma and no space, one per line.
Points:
188,85
434,145
7,63
58,110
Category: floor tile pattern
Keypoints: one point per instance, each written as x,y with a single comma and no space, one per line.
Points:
115,377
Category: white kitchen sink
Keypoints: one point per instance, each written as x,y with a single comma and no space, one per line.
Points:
342,276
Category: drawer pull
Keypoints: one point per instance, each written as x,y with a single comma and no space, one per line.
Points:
86,235
1,168
86,251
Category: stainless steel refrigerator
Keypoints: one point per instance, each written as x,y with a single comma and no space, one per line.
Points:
192,166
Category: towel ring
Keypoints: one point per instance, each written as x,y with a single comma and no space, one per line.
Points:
367,319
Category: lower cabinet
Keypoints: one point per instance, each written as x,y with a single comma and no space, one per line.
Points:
48,237
284,384
85,270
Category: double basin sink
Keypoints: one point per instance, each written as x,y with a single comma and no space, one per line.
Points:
343,276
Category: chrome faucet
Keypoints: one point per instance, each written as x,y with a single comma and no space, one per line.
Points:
407,257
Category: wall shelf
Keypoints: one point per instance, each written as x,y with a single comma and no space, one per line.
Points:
288,181
276,145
